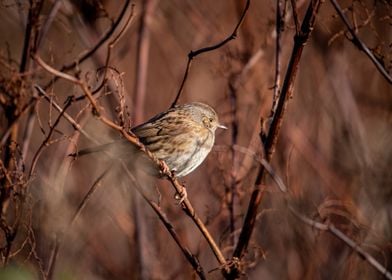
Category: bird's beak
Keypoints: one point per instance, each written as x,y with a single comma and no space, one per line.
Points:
221,126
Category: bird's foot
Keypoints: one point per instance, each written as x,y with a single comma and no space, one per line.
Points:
181,196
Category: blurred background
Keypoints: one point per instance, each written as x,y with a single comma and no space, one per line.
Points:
334,151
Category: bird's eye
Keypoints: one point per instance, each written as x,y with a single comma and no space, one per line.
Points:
207,121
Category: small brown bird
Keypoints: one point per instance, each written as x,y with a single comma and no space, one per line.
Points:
182,136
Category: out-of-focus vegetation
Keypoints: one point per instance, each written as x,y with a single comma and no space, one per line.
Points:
334,150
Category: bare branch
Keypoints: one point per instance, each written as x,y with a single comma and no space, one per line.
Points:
361,45
272,137
295,17
347,240
164,219
143,48
92,50
47,139
193,54
188,208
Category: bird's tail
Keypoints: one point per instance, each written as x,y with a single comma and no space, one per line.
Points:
86,151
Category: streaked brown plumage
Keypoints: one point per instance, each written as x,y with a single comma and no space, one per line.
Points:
182,136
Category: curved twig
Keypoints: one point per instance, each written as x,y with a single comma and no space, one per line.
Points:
193,54
347,240
170,228
46,141
272,137
190,257
25,108
361,45
109,50
91,51
60,236
164,169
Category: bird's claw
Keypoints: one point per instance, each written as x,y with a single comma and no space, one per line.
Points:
181,196
164,170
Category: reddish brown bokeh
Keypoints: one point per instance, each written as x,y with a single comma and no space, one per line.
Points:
333,153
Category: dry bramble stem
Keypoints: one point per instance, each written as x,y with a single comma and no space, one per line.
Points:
162,216
189,256
187,206
348,241
300,40
361,45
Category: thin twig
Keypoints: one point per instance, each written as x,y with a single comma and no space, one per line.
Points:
28,132
88,53
88,195
165,171
25,108
270,170
162,216
361,45
31,31
347,240
104,38
46,140
48,21
109,50
194,261
74,124
60,236
143,48
279,29
231,191
272,137
32,18
295,17
193,54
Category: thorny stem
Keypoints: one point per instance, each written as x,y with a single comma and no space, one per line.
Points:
348,241
272,137
361,45
188,208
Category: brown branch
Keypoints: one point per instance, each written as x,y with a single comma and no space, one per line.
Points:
60,236
92,50
192,259
295,16
165,171
104,38
109,50
170,228
88,195
48,22
74,124
25,108
280,13
347,240
361,45
193,54
246,151
30,35
143,47
272,137
47,139
231,190
28,131
28,45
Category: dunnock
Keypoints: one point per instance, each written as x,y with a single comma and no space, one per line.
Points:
182,136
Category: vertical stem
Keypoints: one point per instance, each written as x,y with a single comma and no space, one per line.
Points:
142,59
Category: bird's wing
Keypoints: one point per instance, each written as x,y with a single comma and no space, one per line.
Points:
164,126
